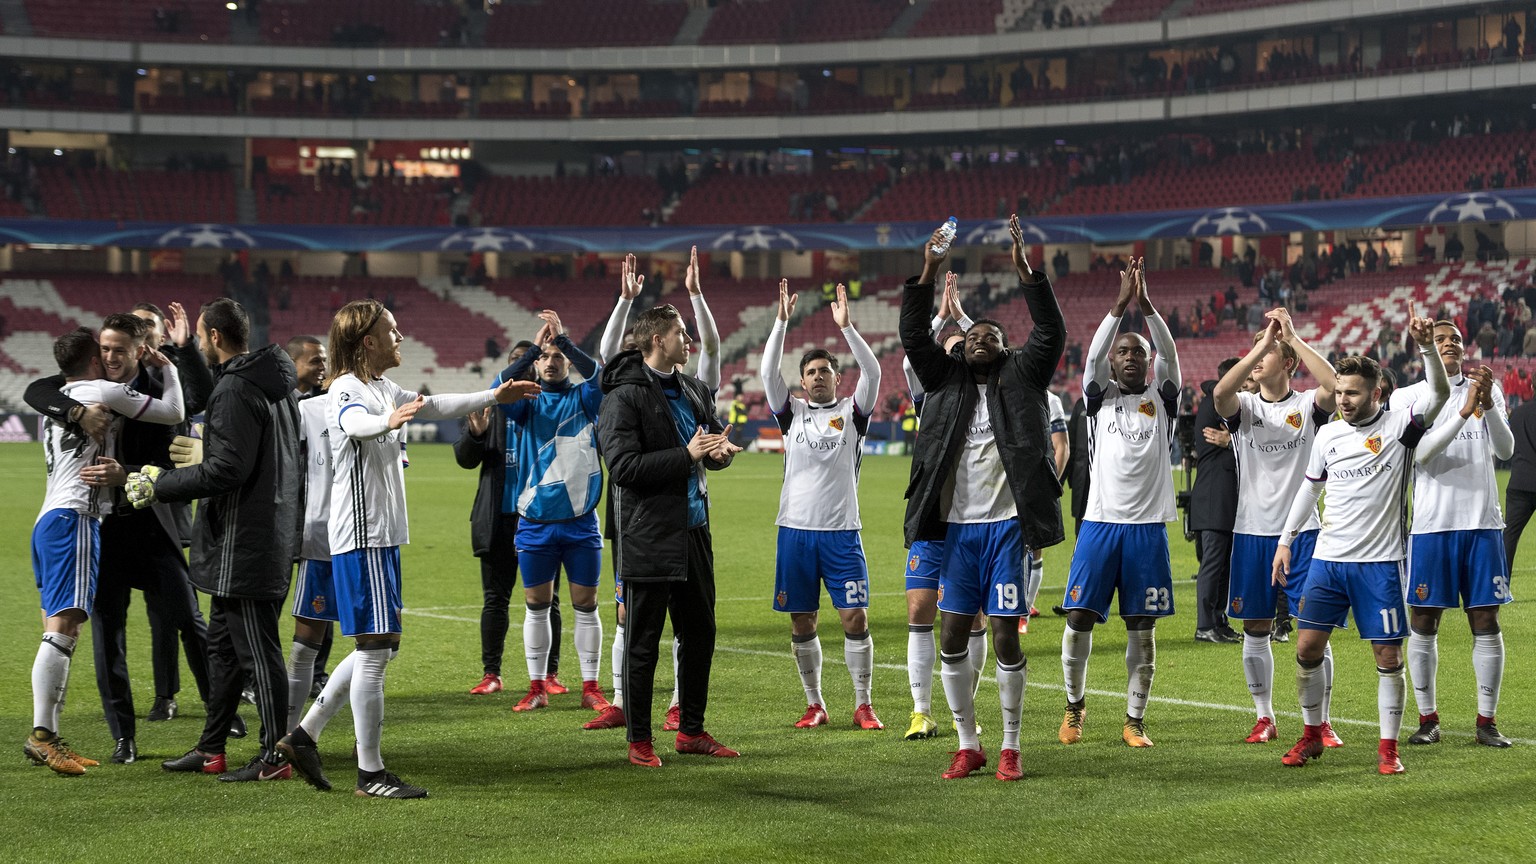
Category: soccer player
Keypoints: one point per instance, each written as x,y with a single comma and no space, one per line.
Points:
1455,545
365,415
1123,545
922,578
1362,461
66,539
818,520
659,433
985,485
557,483
1272,433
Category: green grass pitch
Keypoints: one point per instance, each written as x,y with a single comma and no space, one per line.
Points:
536,787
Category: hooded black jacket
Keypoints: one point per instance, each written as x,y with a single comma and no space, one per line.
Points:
650,467
1016,400
488,452
250,480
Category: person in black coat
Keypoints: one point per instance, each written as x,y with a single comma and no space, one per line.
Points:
1212,510
1520,494
658,432
246,534
985,414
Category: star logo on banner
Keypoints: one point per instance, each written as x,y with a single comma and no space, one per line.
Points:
486,240
751,237
207,235
573,466
995,233
1228,220
1473,207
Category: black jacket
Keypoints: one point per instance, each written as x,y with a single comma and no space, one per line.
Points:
246,534
1077,461
1016,399
1522,466
650,467
488,453
1213,499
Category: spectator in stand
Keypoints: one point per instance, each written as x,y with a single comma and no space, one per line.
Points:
1371,257
492,346
1208,323
1522,165
1487,340
1511,37
1453,248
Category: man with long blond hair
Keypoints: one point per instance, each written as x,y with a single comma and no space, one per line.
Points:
366,417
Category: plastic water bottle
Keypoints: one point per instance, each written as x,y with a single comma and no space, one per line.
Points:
946,236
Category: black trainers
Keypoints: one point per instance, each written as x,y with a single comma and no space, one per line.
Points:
1216,636
1429,733
302,754
163,709
318,684
1488,736
1281,631
248,696
383,784
258,769
237,727
126,752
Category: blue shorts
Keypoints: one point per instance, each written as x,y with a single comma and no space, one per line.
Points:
1373,590
66,555
543,547
923,565
367,583
1251,595
1458,568
809,559
1131,560
983,570
314,591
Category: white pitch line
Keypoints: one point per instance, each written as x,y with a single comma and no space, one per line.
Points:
1163,700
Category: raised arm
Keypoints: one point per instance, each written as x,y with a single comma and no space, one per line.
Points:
168,410
1422,330
709,336
928,359
946,314
771,371
1165,369
196,377
868,389
1316,363
1226,390
630,285
581,361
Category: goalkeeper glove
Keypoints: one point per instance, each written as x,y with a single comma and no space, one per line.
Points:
141,487
186,451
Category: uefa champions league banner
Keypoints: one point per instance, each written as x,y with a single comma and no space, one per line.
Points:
1488,206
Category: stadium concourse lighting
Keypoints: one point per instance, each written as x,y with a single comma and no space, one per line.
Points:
232,5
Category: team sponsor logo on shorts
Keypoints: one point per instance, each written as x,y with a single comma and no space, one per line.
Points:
1293,419
1237,605
836,422
1373,444
1421,591
318,604
912,563
1147,408
1076,592
782,599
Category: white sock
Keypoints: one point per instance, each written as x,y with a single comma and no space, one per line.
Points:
1140,665
807,651
1010,690
955,672
920,658
336,696
1032,590
1423,663
368,705
1488,667
589,643
977,651
859,654
301,677
1309,691
536,639
1076,645
1391,693
50,679
1259,670
618,665
1327,682
677,679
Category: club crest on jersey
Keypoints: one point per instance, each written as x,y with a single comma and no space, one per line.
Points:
782,599
1146,407
1421,591
836,423
1478,412
318,604
1293,419
1373,444
1237,605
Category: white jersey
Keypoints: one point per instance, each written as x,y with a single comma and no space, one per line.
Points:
1130,439
1456,490
315,435
1271,441
822,452
1367,469
977,491
67,450
368,486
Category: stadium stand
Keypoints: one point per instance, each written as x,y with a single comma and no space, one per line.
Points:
981,193
725,198
603,23
385,201
566,200
356,22
958,18
182,21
